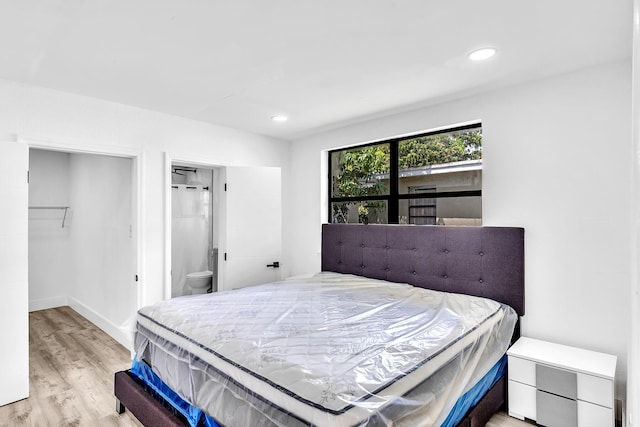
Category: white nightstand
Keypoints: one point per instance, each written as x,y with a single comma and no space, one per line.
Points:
558,385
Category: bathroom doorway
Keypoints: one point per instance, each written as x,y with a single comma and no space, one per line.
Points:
245,224
195,225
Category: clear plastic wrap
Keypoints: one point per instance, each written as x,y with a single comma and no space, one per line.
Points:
328,350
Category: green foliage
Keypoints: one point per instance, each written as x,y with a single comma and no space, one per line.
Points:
356,171
355,178
439,149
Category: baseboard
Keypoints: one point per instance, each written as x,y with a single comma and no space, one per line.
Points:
124,337
45,303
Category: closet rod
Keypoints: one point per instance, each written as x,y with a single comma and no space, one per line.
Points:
177,170
189,187
66,208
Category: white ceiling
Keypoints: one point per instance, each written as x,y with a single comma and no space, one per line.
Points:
323,63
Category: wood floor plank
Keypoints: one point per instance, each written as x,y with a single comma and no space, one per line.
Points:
72,364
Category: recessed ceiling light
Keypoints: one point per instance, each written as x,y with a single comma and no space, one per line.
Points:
482,54
279,118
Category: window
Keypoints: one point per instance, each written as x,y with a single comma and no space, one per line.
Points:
431,178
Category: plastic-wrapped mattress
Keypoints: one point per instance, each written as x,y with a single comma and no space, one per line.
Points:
329,350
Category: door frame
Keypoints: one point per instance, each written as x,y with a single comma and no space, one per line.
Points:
138,181
195,160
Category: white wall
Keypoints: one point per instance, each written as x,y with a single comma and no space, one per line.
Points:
633,389
49,244
555,162
102,286
55,119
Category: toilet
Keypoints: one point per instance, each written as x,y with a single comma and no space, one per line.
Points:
199,282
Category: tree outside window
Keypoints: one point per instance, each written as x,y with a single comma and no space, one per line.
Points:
383,182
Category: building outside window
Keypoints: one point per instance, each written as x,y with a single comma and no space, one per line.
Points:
388,182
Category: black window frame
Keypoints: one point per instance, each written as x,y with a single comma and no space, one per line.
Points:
393,198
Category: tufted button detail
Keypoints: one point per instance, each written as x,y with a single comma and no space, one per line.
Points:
362,266
415,249
446,251
481,254
445,277
387,269
481,281
362,245
387,247
414,272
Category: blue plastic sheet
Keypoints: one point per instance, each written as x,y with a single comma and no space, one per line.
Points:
473,396
194,416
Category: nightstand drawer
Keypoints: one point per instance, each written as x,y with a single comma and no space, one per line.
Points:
590,415
522,400
595,390
556,411
523,371
557,381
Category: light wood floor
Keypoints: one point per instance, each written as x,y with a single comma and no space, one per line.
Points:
501,419
71,367
72,363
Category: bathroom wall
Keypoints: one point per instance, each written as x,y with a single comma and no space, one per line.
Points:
49,243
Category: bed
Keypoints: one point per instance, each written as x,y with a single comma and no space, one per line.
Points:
361,343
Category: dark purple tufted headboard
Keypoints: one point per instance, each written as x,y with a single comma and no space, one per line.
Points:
482,261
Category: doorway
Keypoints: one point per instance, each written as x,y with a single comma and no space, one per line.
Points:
195,230
83,240
248,222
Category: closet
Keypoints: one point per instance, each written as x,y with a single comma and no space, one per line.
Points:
81,237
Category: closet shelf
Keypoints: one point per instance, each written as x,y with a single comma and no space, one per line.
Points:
64,208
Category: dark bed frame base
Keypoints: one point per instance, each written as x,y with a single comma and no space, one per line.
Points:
149,410
152,411
482,261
